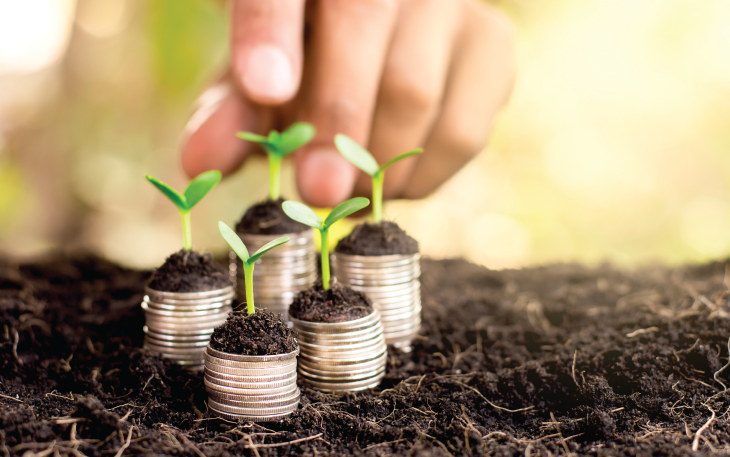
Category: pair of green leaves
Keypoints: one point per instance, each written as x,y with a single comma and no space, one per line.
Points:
234,241
362,159
196,190
280,144
302,213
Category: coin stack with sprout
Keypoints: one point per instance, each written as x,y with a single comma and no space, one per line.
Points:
281,274
179,324
251,387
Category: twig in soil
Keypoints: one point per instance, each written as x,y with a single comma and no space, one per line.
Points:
11,398
490,403
642,331
696,440
572,369
724,387
560,434
250,442
383,444
16,340
54,394
126,443
308,438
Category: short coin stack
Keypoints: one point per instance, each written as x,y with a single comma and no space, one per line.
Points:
179,324
392,283
251,387
282,273
342,356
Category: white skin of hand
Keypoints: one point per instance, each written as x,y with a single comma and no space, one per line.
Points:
391,74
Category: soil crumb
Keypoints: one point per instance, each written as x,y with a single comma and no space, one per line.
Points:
188,271
267,218
261,333
383,238
338,304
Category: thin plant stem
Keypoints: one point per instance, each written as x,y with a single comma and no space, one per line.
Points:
378,197
248,277
274,176
325,259
187,230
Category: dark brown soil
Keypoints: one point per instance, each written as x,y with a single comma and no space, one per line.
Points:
337,304
267,218
383,238
547,361
261,333
188,271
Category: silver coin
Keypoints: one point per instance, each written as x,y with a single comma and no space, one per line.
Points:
265,385
362,373
336,354
258,404
285,364
314,345
176,352
379,259
188,295
252,379
193,336
194,345
183,314
342,376
252,392
236,417
223,397
252,358
269,411
339,338
264,371
307,360
345,386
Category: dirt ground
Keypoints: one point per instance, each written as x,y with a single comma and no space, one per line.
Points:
545,361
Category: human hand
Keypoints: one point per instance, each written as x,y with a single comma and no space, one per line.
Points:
391,74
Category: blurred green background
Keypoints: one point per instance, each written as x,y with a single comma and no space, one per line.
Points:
614,146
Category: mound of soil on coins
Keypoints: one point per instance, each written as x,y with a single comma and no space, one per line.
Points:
188,271
267,218
261,333
337,304
383,238
551,360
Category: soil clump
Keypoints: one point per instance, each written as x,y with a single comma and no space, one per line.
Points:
267,218
554,360
383,238
261,333
188,271
339,303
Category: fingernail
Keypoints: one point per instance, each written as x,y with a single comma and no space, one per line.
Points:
325,178
268,74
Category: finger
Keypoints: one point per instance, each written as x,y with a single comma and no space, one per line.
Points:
344,64
211,142
479,84
266,48
411,87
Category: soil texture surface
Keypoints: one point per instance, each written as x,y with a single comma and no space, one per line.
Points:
383,238
267,218
339,303
188,271
261,333
559,360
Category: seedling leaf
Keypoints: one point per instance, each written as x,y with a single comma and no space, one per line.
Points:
266,248
302,213
356,154
177,199
233,240
295,137
344,209
200,186
398,158
248,136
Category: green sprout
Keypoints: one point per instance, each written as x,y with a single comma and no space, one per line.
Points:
196,190
277,146
362,159
302,213
234,241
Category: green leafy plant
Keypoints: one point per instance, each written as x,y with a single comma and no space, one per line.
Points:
362,159
277,146
302,213
234,241
196,190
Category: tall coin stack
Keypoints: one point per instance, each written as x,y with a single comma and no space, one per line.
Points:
251,387
392,283
281,273
179,324
342,356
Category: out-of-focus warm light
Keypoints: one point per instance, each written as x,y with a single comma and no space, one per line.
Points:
103,18
33,33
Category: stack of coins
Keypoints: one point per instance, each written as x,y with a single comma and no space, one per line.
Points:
392,283
179,324
251,387
281,274
342,356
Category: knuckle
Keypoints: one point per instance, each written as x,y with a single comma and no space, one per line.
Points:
407,89
465,137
